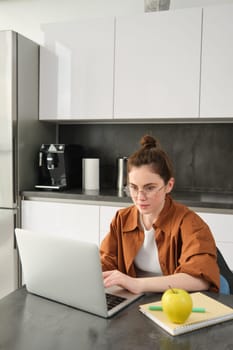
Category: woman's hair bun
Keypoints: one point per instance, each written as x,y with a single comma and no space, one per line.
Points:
148,141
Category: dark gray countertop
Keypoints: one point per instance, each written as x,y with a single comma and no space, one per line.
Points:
191,199
31,322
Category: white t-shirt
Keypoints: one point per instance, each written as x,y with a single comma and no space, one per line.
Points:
147,258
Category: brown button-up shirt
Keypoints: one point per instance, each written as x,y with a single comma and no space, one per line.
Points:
185,243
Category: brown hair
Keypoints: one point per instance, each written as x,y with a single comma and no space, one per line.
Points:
153,155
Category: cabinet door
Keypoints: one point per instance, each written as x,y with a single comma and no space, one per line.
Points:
81,221
76,70
217,66
221,226
106,215
8,253
157,65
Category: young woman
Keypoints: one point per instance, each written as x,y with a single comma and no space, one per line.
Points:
159,240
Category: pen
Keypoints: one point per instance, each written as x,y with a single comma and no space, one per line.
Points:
160,308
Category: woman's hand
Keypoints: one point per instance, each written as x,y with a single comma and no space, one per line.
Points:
115,277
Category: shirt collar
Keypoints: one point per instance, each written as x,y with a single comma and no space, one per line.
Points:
164,220
133,223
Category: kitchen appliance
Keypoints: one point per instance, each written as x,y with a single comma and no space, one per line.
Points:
21,134
60,166
121,173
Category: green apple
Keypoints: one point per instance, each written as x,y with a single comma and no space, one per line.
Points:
177,304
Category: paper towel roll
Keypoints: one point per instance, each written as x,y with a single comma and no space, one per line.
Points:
90,168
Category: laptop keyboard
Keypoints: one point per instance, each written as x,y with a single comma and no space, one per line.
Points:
113,300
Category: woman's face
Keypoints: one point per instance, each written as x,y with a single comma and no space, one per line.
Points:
147,189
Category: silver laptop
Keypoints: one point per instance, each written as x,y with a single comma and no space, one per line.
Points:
68,271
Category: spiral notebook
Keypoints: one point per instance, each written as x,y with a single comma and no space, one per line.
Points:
215,312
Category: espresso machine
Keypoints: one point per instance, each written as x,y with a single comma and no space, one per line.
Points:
60,166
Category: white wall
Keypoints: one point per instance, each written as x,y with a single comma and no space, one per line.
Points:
26,16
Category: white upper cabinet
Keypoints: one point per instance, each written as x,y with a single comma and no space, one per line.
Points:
157,65
166,64
76,70
217,62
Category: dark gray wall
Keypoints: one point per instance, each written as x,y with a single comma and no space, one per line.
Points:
202,153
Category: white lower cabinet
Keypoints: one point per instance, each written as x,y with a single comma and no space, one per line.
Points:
92,222
106,215
71,219
86,222
221,226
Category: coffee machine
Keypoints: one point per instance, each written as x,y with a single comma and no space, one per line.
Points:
60,166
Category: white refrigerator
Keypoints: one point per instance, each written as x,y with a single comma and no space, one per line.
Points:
21,135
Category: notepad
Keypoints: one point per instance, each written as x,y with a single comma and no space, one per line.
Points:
216,312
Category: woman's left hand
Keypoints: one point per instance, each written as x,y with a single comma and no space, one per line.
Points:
115,277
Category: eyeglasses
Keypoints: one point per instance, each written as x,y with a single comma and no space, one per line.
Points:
148,190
